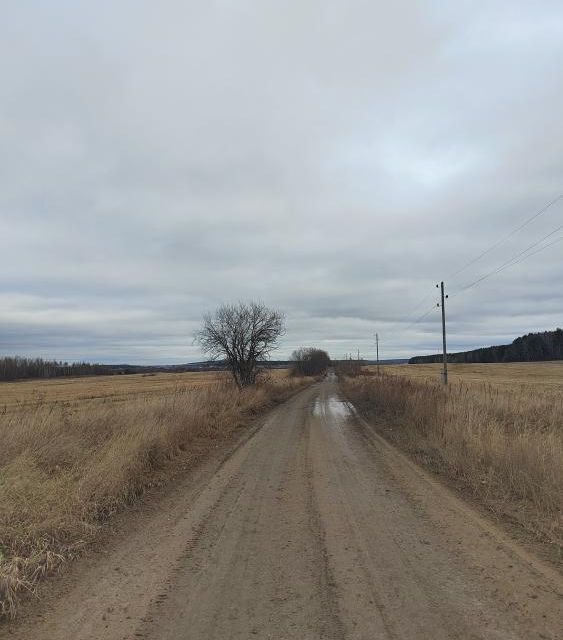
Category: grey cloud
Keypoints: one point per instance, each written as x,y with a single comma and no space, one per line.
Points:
335,159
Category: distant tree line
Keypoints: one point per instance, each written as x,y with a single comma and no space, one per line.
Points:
309,361
532,347
17,368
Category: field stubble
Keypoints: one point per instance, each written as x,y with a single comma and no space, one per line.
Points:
15,395
67,466
503,441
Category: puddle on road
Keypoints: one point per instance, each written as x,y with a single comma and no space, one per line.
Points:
332,406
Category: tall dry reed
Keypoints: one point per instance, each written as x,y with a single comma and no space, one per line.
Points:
505,443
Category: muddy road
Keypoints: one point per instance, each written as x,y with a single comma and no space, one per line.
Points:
312,527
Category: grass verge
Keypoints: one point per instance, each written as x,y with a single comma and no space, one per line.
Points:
505,445
66,468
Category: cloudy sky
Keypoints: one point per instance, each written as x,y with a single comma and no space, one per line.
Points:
333,159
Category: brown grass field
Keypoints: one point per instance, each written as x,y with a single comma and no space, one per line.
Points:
118,387
496,431
544,374
73,452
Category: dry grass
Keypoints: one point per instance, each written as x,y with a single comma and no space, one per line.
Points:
544,374
65,467
54,390
503,442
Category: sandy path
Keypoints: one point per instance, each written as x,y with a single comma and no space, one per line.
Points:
311,528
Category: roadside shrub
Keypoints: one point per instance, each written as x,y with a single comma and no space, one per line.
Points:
309,362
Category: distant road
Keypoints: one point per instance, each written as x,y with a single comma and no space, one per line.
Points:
312,527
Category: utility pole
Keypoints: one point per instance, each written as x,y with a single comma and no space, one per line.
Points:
445,352
377,351
358,355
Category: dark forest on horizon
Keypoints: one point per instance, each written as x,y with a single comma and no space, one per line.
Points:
533,347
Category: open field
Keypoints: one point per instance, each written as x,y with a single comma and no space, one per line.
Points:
548,374
68,462
496,431
28,392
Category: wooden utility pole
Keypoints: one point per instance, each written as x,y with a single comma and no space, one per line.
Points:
444,348
377,351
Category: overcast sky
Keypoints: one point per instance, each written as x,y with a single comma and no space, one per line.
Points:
333,159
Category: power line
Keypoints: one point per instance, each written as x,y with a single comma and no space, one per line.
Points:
411,314
523,255
546,246
529,255
420,318
505,238
536,215
519,257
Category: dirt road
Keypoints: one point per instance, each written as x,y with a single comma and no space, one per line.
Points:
313,527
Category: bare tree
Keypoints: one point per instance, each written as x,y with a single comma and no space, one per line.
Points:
242,334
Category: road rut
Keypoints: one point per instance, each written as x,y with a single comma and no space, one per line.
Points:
312,528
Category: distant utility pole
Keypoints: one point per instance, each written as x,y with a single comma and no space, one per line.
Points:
377,351
358,355
445,352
